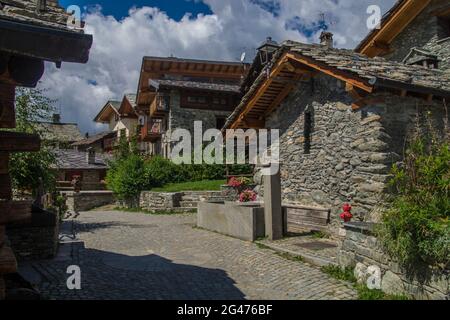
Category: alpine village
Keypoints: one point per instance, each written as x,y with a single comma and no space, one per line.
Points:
358,207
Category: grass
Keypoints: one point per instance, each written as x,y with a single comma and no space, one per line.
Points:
289,256
205,185
320,235
364,293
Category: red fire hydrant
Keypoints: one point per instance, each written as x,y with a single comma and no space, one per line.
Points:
347,214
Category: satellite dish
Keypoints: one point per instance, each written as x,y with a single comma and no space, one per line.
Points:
243,57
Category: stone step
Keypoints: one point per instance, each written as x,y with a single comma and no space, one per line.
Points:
172,210
189,204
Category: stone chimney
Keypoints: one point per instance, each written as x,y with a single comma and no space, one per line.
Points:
326,39
90,155
56,118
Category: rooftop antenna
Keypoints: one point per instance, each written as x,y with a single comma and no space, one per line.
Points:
243,55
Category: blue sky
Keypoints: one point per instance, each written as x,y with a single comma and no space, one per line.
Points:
175,9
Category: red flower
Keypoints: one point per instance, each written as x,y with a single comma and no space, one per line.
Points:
247,196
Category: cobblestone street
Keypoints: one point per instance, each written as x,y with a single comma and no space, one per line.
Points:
137,256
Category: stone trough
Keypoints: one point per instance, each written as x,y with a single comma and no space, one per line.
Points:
243,221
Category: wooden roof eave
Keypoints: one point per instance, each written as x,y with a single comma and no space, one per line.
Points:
44,43
99,118
288,60
378,41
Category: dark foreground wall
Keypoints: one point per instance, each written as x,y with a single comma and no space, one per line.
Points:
35,239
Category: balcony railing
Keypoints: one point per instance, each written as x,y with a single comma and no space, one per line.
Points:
152,130
160,104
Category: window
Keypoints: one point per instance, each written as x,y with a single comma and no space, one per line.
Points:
163,102
220,122
444,27
123,133
196,99
220,101
307,132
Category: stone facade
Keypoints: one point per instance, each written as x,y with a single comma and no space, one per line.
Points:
424,32
88,200
349,154
36,239
184,118
361,250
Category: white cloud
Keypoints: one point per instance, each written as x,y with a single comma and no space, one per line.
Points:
235,26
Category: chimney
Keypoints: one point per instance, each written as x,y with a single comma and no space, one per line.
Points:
41,5
56,118
90,155
326,39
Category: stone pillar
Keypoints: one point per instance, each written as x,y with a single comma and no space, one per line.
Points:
272,206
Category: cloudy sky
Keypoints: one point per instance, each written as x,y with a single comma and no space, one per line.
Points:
124,31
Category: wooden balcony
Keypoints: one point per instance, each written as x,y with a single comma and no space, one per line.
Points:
152,130
160,106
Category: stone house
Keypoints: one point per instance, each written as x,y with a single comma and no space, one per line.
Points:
100,142
89,166
120,116
173,93
343,119
413,32
58,134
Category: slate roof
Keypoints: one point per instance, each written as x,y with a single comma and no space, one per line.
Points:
132,98
367,68
62,132
195,85
376,71
73,160
25,11
115,104
95,138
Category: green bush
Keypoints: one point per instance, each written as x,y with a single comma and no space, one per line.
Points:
127,177
416,228
160,171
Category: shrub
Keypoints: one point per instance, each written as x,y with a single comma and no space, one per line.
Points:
416,228
127,178
160,171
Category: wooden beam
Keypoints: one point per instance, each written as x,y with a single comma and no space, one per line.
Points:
26,71
5,187
8,263
350,88
430,98
14,211
19,142
2,235
4,162
282,95
2,288
331,72
254,124
275,71
7,113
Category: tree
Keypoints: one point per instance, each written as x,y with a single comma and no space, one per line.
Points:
26,168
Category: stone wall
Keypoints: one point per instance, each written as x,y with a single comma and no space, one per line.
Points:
152,200
424,32
35,239
183,118
350,153
361,250
88,200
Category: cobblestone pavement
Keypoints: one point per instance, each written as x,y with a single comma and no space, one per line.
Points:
315,250
137,256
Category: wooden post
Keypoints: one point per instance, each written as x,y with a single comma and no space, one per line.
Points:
272,206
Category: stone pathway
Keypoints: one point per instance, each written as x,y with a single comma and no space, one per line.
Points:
137,256
317,251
